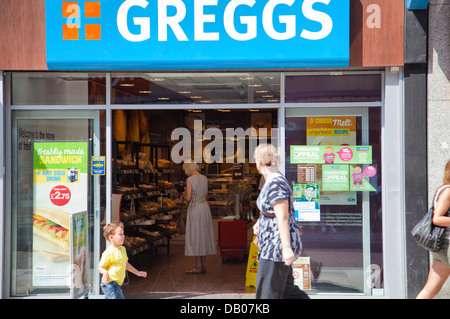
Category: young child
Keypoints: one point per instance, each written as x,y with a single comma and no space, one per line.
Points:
114,262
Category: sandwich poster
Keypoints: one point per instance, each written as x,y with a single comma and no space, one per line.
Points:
60,188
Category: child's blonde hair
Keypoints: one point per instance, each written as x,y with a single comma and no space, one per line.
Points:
268,155
110,229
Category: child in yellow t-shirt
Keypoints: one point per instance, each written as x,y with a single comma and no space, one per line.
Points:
114,262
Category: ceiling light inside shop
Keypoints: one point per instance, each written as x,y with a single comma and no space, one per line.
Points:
262,91
254,85
185,92
163,98
145,92
196,97
126,84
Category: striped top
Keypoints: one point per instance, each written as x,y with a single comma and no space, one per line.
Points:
275,190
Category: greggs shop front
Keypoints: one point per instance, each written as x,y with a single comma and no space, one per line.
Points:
104,100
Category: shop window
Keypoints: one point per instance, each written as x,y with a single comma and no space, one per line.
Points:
333,161
45,190
333,88
58,89
195,88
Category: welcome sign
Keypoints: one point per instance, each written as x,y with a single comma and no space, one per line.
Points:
196,34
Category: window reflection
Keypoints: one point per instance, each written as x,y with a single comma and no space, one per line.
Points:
333,88
195,88
58,88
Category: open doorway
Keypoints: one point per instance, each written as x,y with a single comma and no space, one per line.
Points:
147,183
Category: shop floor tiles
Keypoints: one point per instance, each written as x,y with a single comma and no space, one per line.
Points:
166,277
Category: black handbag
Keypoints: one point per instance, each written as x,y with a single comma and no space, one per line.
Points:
426,234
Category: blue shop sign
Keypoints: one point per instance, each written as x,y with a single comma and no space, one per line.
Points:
196,34
417,4
98,165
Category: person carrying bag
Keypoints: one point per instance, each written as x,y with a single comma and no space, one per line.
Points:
440,252
426,233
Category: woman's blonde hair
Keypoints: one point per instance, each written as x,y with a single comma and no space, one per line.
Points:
268,155
447,173
188,168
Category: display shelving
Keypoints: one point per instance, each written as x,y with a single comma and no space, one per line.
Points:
145,209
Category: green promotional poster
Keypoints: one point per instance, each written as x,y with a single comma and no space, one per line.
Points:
335,178
60,155
360,178
347,177
330,154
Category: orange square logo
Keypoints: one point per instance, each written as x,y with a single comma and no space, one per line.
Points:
92,9
70,9
70,32
93,32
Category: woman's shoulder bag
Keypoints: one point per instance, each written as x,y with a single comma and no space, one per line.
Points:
425,233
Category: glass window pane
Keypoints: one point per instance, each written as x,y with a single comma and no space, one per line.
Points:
195,88
333,88
39,266
58,88
346,228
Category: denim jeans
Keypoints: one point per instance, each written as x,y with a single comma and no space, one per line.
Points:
112,290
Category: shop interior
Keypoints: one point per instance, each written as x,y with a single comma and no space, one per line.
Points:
149,183
147,186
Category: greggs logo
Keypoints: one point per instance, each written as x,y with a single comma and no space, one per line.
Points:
72,12
224,34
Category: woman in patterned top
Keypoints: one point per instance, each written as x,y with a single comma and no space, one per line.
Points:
277,231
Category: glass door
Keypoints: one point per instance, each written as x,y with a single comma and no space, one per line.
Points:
51,179
333,160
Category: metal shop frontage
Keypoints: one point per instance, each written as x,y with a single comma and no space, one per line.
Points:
97,128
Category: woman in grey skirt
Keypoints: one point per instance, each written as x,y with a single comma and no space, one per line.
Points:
199,239
440,269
